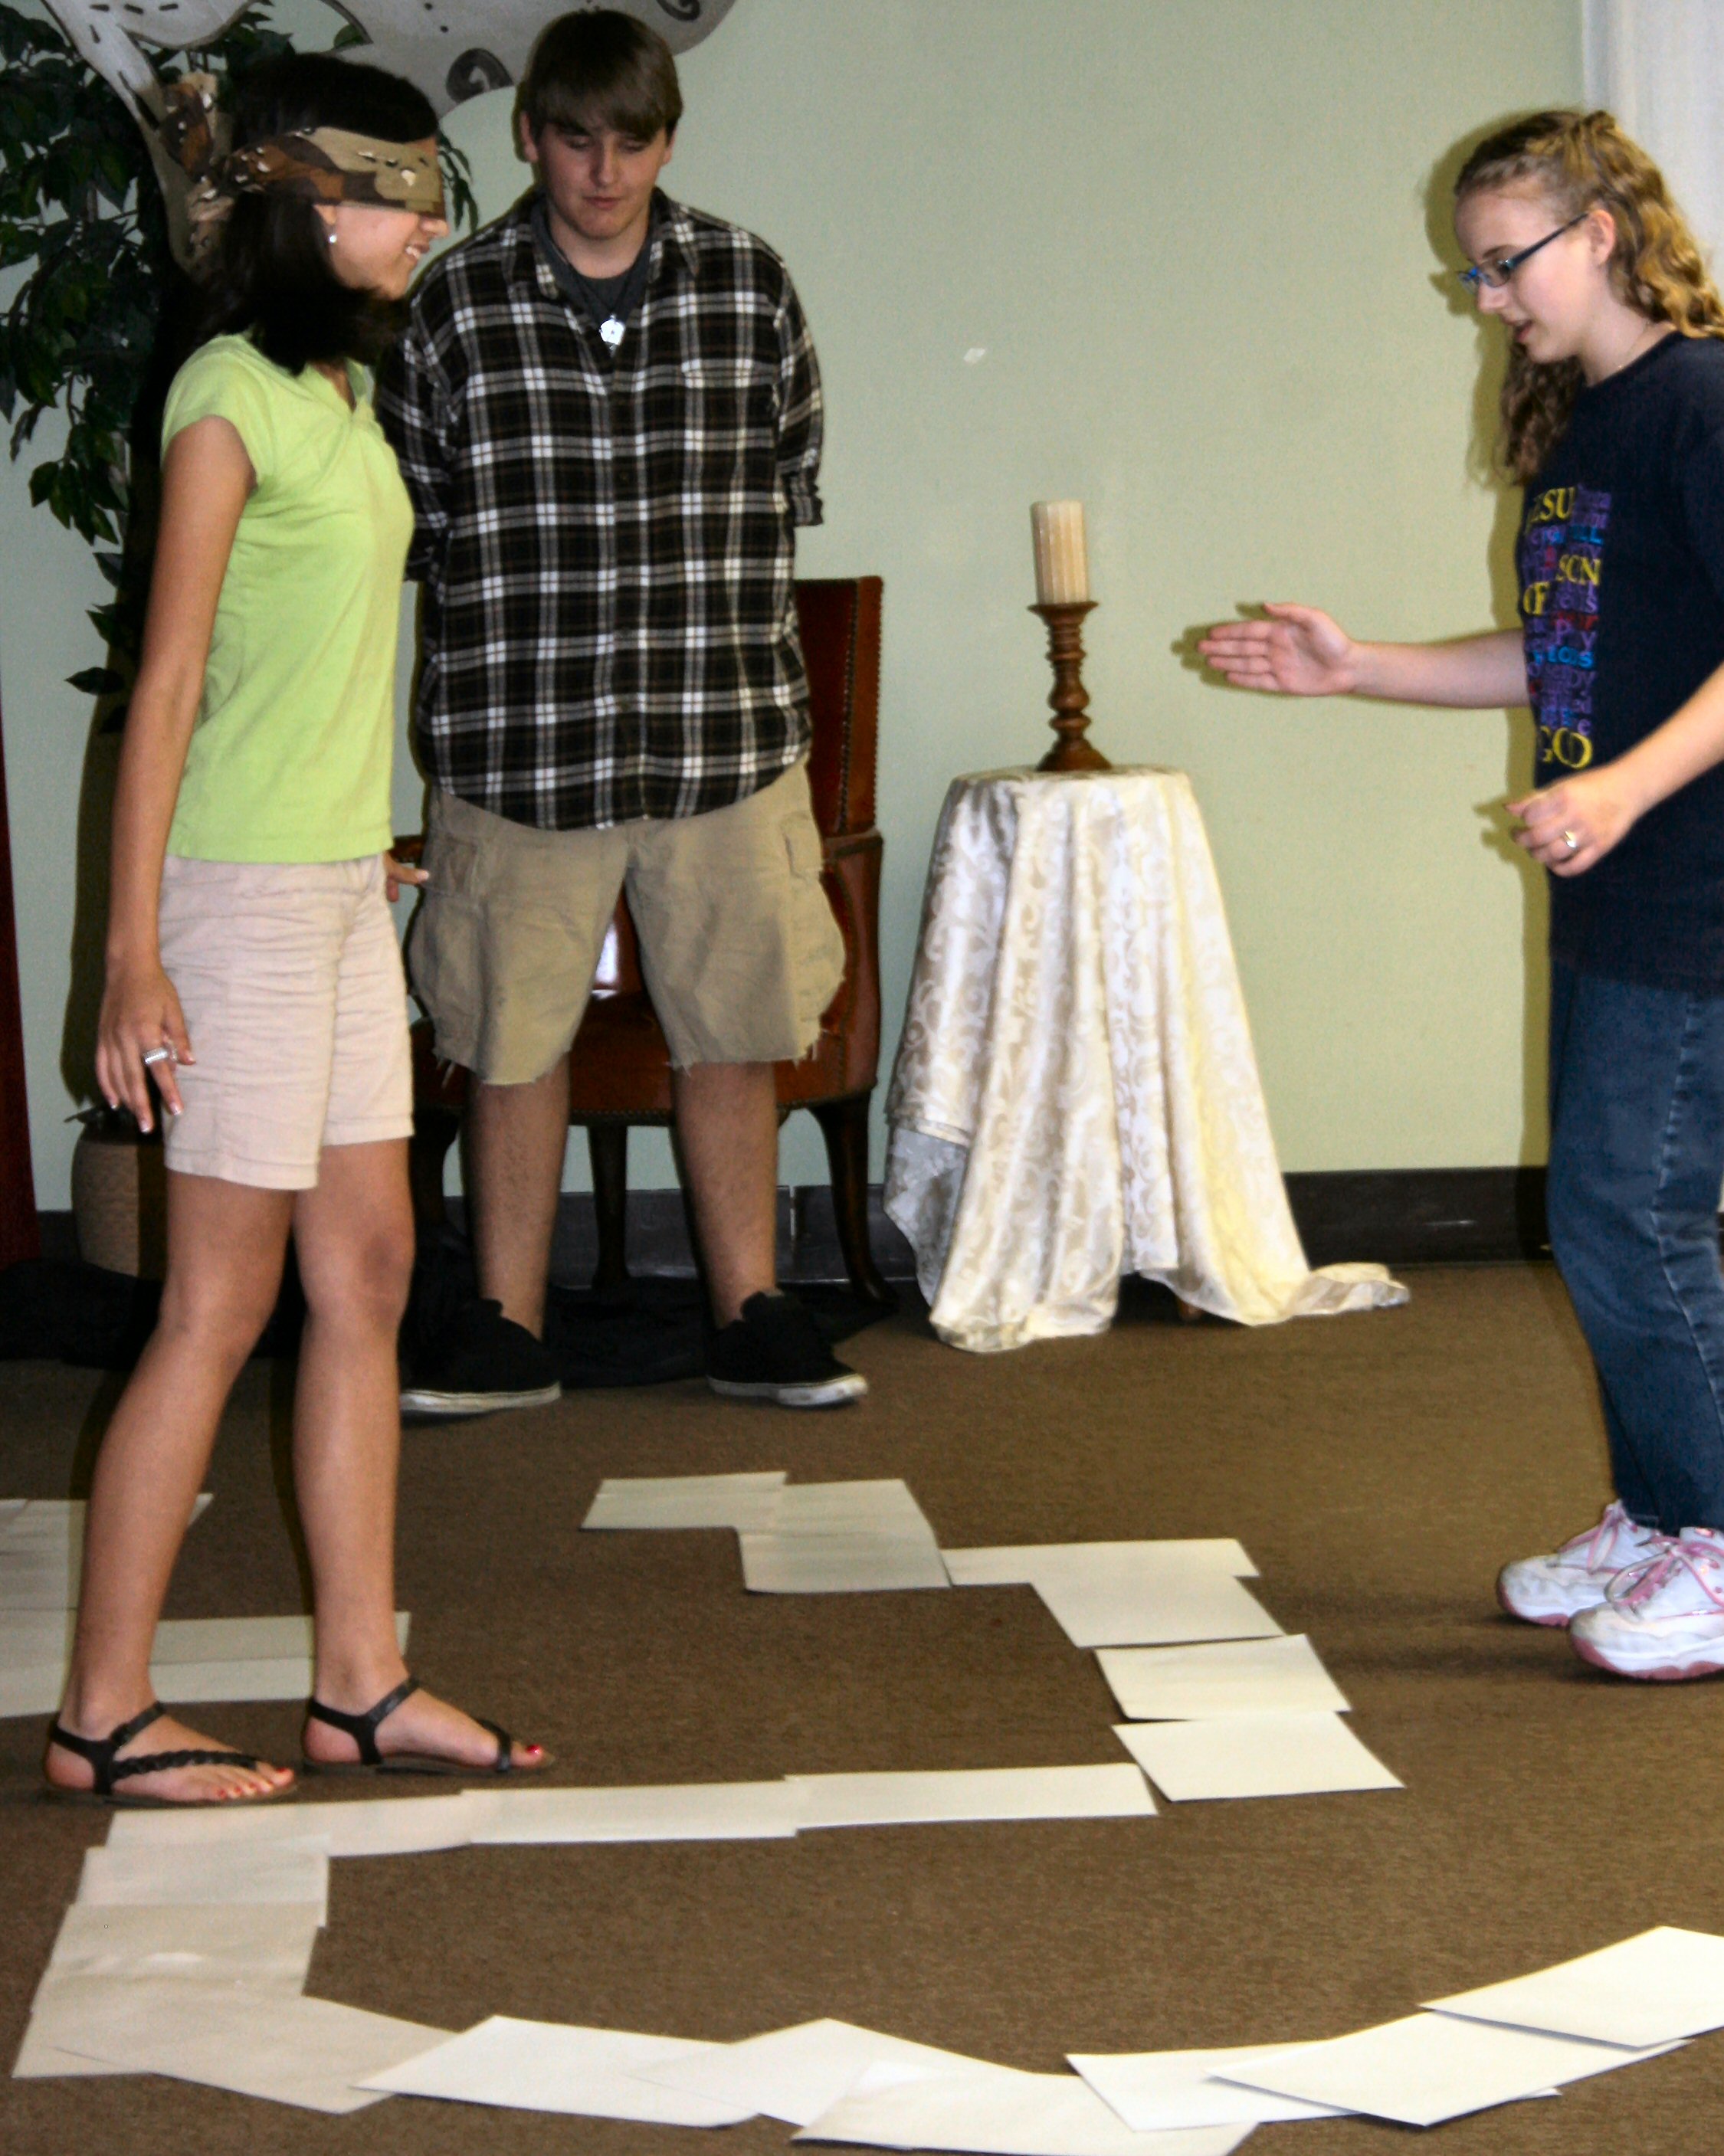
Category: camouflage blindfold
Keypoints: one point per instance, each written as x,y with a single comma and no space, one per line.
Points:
328,165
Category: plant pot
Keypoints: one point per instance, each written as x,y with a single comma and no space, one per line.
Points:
119,1196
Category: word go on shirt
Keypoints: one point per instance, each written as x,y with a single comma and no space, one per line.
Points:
606,542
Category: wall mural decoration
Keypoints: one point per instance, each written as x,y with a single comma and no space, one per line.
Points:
452,49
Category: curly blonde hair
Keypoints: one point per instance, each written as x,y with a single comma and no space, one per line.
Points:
1580,161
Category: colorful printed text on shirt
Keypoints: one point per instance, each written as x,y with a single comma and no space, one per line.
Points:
1561,568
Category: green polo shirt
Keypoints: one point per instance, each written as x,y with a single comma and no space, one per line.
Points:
290,757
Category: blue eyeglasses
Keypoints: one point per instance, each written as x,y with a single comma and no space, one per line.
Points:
1497,275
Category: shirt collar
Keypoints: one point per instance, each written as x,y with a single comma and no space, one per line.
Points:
671,245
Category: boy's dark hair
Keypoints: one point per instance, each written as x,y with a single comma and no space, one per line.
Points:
598,68
271,274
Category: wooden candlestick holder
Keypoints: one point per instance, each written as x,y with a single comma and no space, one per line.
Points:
1069,699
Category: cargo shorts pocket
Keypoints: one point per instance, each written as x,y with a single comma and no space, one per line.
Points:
445,951
819,943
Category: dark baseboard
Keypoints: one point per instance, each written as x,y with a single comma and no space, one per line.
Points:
1421,1216
1399,1216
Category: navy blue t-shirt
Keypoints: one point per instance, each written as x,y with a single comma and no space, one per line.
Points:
1621,557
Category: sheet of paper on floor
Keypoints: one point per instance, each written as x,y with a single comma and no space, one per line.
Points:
988,1793
686,1501
549,2066
42,1550
690,1811
1224,1676
860,1563
293,1871
885,1507
362,1826
1427,2067
795,2074
1253,1755
1166,1603
267,1947
1651,1989
1154,2091
306,2051
1001,2113
1022,1563
195,1659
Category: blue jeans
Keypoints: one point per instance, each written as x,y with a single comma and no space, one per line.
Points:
1637,1159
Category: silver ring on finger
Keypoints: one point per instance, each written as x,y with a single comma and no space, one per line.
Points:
162,1054
1571,839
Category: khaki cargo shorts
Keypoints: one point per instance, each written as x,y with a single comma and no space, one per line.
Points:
738,944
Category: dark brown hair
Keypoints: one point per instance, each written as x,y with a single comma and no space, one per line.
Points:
271,276
598,68
1577,162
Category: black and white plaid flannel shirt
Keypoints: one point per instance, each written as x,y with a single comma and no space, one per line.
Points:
607,545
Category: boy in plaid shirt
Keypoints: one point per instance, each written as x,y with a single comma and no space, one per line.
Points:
606,408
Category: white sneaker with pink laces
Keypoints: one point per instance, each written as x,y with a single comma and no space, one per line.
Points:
1550,1590
1663,1618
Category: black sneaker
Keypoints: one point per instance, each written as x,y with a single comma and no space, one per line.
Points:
774,1351
479,1363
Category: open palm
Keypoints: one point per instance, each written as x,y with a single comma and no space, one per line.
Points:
1297,650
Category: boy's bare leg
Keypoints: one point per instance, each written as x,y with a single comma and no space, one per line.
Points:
727,1129
517,1136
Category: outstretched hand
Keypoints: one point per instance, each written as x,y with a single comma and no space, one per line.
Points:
1569,826
1297,650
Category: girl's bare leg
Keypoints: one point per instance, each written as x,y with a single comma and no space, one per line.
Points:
354,1236
225,1244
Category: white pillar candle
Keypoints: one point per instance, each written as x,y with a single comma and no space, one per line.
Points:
1062,553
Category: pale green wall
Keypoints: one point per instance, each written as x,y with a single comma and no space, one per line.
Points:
1190,238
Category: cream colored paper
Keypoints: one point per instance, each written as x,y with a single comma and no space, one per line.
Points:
1024,1563
1427,2067
839,1563
295,1871
267,1948
1253,1755
1148,1605
1659,1985
304,2051
548,2065
1154,2091
992,1792
42,1549
1229,1677
690,1811
685,1501
796,2074
364,1827
883,1507
1002,2112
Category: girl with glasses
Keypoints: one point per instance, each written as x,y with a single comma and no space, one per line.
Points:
1613,420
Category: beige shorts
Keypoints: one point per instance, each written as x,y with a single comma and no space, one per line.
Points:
738,944
290,977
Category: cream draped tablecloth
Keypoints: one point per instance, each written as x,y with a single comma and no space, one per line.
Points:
1075,1096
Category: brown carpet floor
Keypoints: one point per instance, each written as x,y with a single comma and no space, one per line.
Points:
1378,1468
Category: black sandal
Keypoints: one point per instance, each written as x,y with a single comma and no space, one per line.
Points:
100,1752
363,1729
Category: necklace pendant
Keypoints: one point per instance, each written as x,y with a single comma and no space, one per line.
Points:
613,330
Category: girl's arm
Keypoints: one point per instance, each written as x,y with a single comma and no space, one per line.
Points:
1301,652
1598,808
206,478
